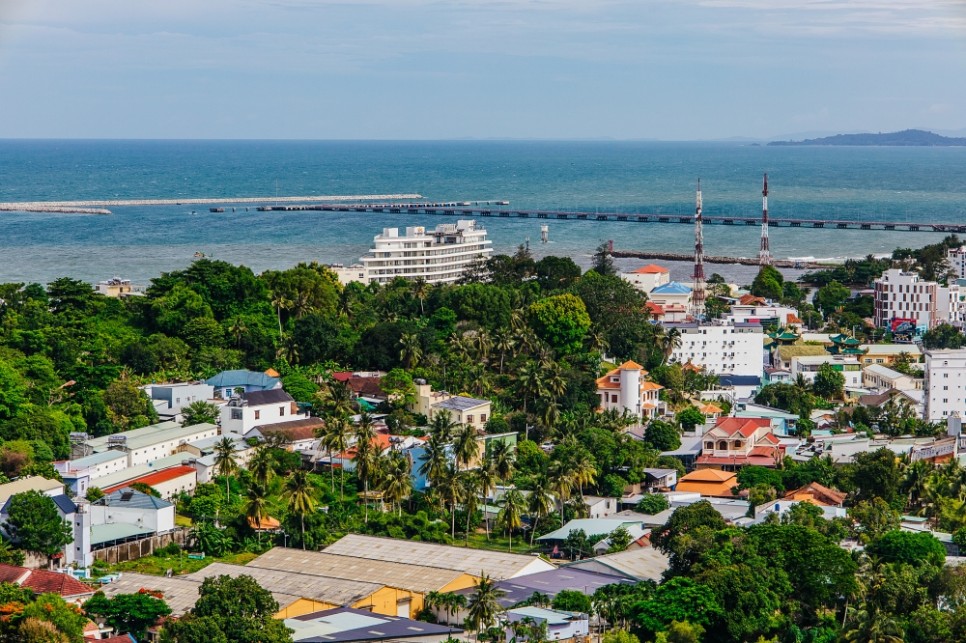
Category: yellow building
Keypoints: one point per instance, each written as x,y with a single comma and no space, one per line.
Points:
403,586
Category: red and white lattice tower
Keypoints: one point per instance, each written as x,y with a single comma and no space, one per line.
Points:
764,254
697,291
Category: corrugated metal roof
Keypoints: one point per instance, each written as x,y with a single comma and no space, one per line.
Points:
644,563
345,624
154,434
595,527
499,565
337,591
30,483
242,378
460,403
402,575
131,498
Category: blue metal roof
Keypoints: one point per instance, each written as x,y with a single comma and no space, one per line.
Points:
242,378
671,288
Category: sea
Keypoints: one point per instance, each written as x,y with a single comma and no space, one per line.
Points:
906,184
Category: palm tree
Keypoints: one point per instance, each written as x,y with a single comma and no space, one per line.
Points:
511,515
449,489
483,605
435,459
530,384
256,508
539,503
485,482
366,455
668,341
503,457
411,350
298,487
335,438
442,425
562,484
471,499
280,302
334,399
237,329
260,465
584,471
420,289
226,462
199,412
465,447
503,341
397,483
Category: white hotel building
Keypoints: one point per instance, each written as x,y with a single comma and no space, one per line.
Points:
945,384
438,256
723,349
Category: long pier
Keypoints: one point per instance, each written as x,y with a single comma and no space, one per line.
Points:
565,215
744,261
96,206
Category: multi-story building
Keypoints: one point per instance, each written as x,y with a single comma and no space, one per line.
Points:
439,256
808,367
647,278
945,384
737,442
257,408
722,349
956,258
905,296
626,389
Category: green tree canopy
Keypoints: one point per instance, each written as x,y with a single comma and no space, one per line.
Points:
34,523
561,320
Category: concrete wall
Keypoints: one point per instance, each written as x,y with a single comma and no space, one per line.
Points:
140,548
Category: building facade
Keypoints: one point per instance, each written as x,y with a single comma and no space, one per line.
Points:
626,389
439,256
647,278
726,349
945,384
905,296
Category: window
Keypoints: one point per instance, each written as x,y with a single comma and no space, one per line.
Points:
482,417
709,445
281,411
469,419
236,414
258,415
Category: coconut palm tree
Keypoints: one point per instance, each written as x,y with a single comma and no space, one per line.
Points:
486,479
411,350
442,426
335,439
511,513
260,465
301,501
484,605
420,288
562,485
226,462
435,459
256,507
584,471
449,490
334,399
366,455
397,483
539,503
465,446
504,459
530,385
503,342
668,341
280,303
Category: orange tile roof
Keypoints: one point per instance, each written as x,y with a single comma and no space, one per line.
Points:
651,269
651,386
792,318
708,475
158,477
630,365
710,408
267,524
818,494
655,309
744,427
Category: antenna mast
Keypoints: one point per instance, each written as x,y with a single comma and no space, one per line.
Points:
764,255
697,293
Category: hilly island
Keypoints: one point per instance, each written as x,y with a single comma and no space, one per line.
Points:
906,138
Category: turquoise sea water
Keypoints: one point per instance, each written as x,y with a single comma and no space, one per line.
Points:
903,184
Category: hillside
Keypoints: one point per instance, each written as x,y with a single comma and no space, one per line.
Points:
909,137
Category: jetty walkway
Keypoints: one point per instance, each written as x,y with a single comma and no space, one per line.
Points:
564,215
96,206
744,261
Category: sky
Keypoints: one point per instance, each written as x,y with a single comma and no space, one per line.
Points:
445,69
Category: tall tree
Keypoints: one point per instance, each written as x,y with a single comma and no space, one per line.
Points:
226,461
511,512
34,523
483,605
301,500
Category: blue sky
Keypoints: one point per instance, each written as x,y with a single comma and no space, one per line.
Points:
430,69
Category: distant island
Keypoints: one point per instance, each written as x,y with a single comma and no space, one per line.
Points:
908,138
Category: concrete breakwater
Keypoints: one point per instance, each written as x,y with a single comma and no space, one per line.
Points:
95,206
744,261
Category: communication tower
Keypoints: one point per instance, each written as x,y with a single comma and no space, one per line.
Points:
764,255
697,292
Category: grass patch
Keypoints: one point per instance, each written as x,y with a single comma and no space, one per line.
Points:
179,564
499,542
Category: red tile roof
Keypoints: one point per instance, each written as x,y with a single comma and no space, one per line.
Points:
158,477
44,582
655,309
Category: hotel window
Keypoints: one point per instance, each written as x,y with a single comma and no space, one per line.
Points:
258,414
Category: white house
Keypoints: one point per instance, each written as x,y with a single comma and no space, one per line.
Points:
945,384
246,411
879,378
126,514
722,349
626,389
671,295
647,278
808,366
560,625
169,399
